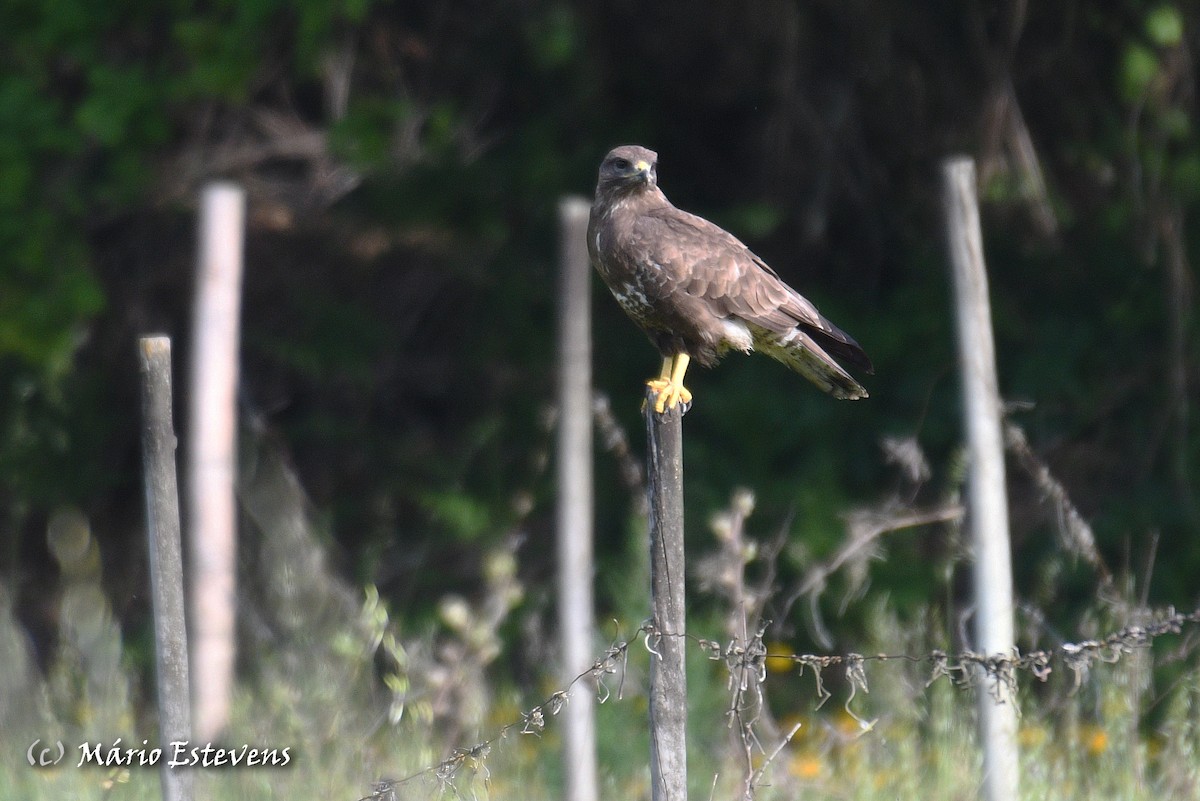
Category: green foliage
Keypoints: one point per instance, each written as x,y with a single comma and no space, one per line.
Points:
753,220
554,38
1138,68
1164,26
462,515
399,332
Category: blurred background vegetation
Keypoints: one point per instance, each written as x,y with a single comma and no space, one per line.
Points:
403,163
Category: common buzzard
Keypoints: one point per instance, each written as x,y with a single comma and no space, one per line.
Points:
698,292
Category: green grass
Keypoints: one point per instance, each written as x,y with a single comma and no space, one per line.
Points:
1113,736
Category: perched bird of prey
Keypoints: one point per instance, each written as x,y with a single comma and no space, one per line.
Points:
698,292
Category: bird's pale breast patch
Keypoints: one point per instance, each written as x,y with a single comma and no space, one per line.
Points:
632,299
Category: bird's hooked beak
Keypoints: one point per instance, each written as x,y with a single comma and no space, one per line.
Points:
643,170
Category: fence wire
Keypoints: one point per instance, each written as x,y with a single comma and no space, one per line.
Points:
746,662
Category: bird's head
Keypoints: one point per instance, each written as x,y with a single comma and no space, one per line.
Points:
627,169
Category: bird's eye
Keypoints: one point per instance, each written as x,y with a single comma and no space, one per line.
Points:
621,164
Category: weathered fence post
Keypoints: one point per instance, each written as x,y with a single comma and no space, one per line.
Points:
212,450
575,564
987,503
166,559
668,680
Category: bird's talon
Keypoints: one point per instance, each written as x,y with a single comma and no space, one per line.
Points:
667,395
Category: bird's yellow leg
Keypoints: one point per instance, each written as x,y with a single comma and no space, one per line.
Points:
664,377
669,386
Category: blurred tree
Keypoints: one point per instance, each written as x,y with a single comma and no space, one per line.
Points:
404,162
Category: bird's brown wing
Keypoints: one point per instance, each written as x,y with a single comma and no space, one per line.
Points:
805,315
710,263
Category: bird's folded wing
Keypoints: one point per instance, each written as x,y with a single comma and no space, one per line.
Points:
707,262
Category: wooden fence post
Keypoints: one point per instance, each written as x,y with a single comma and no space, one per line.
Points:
166,560
575,504
212,451
987,502
668,679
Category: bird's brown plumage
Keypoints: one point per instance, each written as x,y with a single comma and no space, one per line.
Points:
696,290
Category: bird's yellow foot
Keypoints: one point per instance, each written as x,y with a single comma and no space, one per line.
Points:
668,387
668,393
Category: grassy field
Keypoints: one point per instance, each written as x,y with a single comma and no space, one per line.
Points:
364,704
1114,734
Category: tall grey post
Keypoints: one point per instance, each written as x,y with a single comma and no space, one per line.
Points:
987,503
575,505
212,449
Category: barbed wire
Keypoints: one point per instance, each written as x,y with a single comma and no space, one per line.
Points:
747,664
533,720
